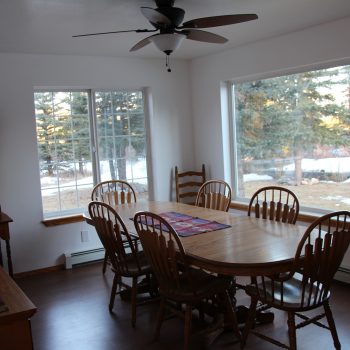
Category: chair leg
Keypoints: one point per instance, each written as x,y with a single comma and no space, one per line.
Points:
250,321
113,292
133,301
331,325
232,316
151,285
292,331
160,318
105,263
188,319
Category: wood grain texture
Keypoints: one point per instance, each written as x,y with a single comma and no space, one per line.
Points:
250,246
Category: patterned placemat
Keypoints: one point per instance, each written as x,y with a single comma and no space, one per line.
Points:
186,225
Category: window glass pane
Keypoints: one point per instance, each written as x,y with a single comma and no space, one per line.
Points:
64,147
122,155
137,148
51,201
120,124
84,194
68,197
294,131
81,149
104,125
137,124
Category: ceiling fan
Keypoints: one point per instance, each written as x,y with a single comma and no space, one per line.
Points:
167,19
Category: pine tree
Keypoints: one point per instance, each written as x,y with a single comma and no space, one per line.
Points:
286,117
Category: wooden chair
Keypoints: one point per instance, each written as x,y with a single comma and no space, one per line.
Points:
124,256
214,194
307,285
274,203
187,184
113,192
278,204
178,282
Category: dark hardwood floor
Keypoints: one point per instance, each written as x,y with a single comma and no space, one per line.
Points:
73,314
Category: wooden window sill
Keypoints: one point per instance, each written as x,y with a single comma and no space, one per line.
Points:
303,217
234,205
63,220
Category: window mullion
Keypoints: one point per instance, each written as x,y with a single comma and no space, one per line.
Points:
233,137
93,132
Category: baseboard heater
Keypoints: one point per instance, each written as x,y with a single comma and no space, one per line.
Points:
343,274
83,257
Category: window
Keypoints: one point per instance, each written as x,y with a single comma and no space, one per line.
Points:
79,145
294,131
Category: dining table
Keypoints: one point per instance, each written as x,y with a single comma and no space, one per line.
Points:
242,246
247,246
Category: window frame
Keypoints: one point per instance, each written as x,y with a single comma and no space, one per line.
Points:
76,214
230,148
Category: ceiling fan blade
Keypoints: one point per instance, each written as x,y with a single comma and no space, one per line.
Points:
217,21
142,43
117,31
154,16
207,37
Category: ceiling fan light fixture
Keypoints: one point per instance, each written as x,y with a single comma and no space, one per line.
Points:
167,43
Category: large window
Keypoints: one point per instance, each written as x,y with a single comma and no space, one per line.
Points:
294,131
85,137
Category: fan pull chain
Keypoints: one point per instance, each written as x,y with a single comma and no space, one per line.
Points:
167,63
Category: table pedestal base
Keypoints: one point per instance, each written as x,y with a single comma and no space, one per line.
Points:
261,317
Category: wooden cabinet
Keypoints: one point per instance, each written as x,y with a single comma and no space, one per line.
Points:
5,235
15,329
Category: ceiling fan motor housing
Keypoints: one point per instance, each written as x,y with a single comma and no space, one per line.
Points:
175,14
164,3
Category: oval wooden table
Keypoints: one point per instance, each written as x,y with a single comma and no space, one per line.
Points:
248,247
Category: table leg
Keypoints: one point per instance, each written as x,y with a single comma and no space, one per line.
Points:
221,320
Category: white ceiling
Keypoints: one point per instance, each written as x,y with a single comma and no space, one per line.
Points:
47,26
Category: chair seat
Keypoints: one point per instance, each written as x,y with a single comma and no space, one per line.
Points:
292,294
133,269
203,283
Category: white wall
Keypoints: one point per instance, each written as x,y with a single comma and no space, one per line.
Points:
174,140
318,46
33,245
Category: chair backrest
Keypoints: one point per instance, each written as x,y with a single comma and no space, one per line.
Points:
113,192
274,203
321,251
187,184
164,252
214,194
114,237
